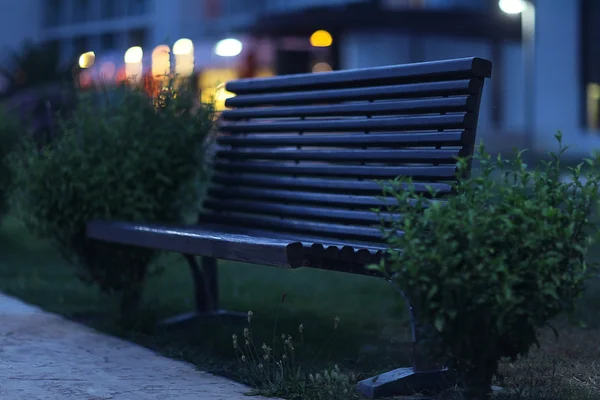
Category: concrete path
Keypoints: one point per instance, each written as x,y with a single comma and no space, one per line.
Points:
45,357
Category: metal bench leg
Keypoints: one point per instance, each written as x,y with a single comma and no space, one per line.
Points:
206,292
421,377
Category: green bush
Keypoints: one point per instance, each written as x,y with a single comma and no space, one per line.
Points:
497,261
11,130
120,156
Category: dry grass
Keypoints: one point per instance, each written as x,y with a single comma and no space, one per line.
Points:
566,367
563,368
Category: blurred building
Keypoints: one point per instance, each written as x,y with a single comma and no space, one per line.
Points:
566,59
78,26
115,39
227,39
18,23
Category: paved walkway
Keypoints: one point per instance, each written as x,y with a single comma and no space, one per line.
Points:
45,357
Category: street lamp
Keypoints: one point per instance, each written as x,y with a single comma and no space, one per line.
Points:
527,10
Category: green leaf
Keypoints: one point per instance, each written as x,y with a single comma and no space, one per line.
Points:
439,323
118,156
500,257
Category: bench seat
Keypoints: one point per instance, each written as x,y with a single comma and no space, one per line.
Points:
254,246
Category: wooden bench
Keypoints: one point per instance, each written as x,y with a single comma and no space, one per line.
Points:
296,168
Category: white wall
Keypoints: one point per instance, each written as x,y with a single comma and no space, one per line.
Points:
558,89
369,49
442,48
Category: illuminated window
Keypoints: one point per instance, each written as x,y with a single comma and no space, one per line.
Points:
209,82
593,105
321,67
264,72
183,50
133,63
161,63
228,47
590,62
220,96
321,39
86,60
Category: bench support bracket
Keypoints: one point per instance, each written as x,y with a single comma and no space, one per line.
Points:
420,377
206,292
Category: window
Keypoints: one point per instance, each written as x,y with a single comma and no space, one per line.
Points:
212,9
65,47
590,63
108,41
81,13
136,7
210,83
110,9
53,47
233,7
53,12
81,45
138,37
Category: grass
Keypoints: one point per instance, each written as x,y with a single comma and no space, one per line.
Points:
370,318
372,334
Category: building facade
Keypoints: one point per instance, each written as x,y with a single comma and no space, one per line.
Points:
78,26
566,59
18,23
564,92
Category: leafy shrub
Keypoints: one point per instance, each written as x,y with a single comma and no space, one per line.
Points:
10,132
489,267
121,156
33,65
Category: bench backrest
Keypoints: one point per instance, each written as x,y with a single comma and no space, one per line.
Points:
301,154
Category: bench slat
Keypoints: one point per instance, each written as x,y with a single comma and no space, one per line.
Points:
337,231
309,240
325,253
345,139
461,121
417,72
421,106
421,156
371,172
243,245
303,212
287,196
415,90
367,187
196,240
